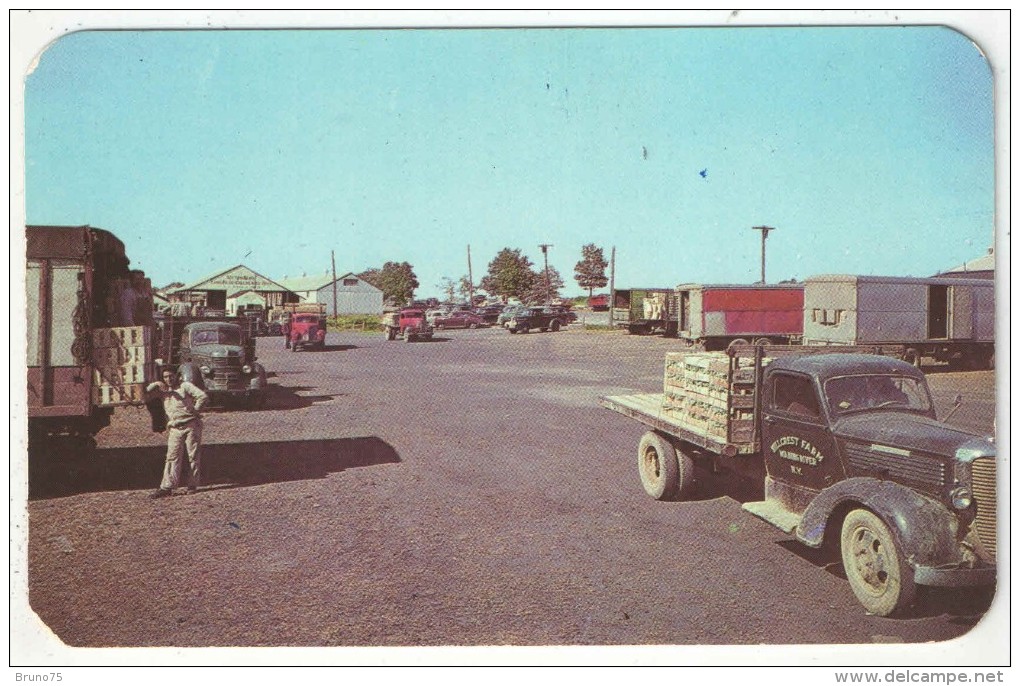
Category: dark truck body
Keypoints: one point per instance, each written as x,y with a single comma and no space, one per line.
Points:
541,318
88,352
645,310
216,354
850,451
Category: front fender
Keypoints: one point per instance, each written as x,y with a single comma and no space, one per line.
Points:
926,530
258,380
191,373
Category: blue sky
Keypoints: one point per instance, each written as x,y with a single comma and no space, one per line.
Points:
869,148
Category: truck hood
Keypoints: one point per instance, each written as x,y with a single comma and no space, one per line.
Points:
908,431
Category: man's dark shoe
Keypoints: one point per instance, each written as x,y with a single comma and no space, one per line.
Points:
161,493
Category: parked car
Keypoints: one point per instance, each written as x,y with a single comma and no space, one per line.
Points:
460,319
541,318
508,313
489,313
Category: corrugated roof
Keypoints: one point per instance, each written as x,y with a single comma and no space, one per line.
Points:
196,285
317,281
985,263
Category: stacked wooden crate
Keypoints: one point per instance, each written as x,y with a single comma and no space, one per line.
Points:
696,391
704,394
122,364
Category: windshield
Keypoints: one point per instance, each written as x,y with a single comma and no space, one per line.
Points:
846,394
226,336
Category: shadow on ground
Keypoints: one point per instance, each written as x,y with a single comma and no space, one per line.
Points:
965,605
227,465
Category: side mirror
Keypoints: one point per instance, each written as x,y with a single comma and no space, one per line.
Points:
957,404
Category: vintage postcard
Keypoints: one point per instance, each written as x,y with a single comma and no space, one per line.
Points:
515,338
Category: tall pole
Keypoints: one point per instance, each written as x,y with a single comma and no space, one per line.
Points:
612,283
764,234
471,282
545,253
332,256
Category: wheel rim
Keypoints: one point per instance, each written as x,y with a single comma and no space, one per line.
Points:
870,561
651,465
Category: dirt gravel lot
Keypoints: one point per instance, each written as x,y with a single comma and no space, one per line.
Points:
467,491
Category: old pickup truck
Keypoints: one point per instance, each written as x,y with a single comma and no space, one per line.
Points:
216,354
409,323
850,452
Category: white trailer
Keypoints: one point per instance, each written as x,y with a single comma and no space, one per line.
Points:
948,320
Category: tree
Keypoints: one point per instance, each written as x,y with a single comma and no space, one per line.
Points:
466,289
590,272
447,287
538,292
396,280
510,274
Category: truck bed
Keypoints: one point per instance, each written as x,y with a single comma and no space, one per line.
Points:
647,409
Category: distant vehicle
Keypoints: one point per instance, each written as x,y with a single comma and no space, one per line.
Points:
599,303
489,313
461,319
644,310
508,313
409,323
307,325
541,318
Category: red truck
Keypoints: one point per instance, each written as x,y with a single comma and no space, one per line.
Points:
713,316
306,326
409,323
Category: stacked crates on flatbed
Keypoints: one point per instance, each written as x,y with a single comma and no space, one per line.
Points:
711,394
122,360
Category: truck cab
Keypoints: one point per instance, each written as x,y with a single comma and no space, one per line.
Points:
853,452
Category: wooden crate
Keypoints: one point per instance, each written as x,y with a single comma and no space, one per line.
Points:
122,337
118,395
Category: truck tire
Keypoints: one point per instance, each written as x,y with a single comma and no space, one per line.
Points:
874,564
734,343
408,336
666,473
554,326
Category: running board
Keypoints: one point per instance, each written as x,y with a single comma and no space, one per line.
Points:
775,514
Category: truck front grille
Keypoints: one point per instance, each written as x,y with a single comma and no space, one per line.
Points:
226,372
914,469
983,476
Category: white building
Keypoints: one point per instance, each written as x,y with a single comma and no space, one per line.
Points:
354,295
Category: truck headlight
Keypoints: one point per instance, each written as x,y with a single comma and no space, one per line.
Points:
246,369
206,370
961,498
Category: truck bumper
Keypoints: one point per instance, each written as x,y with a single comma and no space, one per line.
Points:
954,576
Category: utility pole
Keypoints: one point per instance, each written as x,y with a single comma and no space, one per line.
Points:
764,234
332,256
471,282
612,283
545,253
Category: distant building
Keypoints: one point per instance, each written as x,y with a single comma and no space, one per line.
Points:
223,291
354,295
980,268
